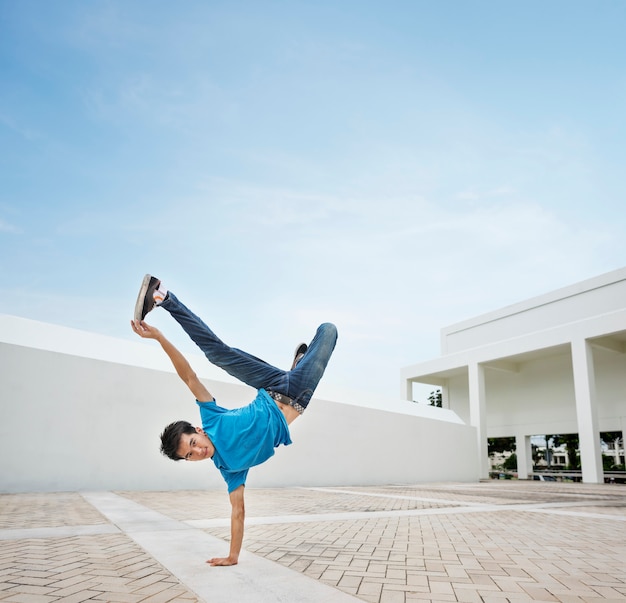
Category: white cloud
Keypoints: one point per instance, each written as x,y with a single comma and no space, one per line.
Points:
8,227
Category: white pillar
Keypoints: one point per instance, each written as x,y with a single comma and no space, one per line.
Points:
407,387
586,412
478,414
523,450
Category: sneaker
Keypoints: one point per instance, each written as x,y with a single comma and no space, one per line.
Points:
145,299
299,354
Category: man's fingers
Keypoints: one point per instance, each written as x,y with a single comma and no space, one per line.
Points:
140,327
220,561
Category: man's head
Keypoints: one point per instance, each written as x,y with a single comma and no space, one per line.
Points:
181,440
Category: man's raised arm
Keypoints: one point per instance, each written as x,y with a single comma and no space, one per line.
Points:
183,368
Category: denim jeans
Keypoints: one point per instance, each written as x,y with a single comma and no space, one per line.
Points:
297,384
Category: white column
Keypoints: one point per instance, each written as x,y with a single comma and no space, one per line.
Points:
478,413
523,450
407,387
586,412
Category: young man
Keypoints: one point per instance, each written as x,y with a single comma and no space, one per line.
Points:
244,437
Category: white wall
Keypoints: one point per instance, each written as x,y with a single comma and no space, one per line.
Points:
71,422
539,398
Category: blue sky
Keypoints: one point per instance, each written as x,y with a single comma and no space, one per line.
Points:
391,167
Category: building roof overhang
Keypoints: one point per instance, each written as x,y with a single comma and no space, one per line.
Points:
607,331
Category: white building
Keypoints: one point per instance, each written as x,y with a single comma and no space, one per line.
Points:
552,364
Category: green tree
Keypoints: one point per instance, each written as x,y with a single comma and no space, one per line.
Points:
609,437
607,462
510,464
535,453
571,445
500,445
435,398
613,440
549,440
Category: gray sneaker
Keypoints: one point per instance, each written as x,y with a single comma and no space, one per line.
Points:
145,299
299,354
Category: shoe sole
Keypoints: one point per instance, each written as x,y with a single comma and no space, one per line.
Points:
142,297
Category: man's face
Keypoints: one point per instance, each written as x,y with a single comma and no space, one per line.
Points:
195,446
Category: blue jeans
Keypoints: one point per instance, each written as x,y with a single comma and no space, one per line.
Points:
297,384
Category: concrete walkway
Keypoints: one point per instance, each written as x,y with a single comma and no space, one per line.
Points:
492,542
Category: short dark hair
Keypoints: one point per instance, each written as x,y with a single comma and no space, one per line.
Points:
170,438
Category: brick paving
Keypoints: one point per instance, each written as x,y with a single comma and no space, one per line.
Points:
46,510
496,541
103,568
99,567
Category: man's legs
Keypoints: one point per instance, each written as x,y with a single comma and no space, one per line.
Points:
247,368
297,384
303,379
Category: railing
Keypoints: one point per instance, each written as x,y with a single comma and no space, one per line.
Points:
618,477
610,477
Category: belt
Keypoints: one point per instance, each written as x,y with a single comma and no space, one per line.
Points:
281,398
286,400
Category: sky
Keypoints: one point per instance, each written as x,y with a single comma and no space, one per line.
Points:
390,167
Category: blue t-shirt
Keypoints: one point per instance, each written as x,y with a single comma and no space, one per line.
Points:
244,437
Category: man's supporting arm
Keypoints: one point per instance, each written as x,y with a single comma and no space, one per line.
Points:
237,518
183,368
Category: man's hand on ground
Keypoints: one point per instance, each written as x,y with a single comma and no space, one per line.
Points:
222,561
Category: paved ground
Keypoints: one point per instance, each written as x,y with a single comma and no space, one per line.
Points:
494,542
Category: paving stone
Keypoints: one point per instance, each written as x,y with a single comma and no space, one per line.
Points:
46,510
86,580
427,542
521,549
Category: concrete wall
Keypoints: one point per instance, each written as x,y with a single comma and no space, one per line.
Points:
91,420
